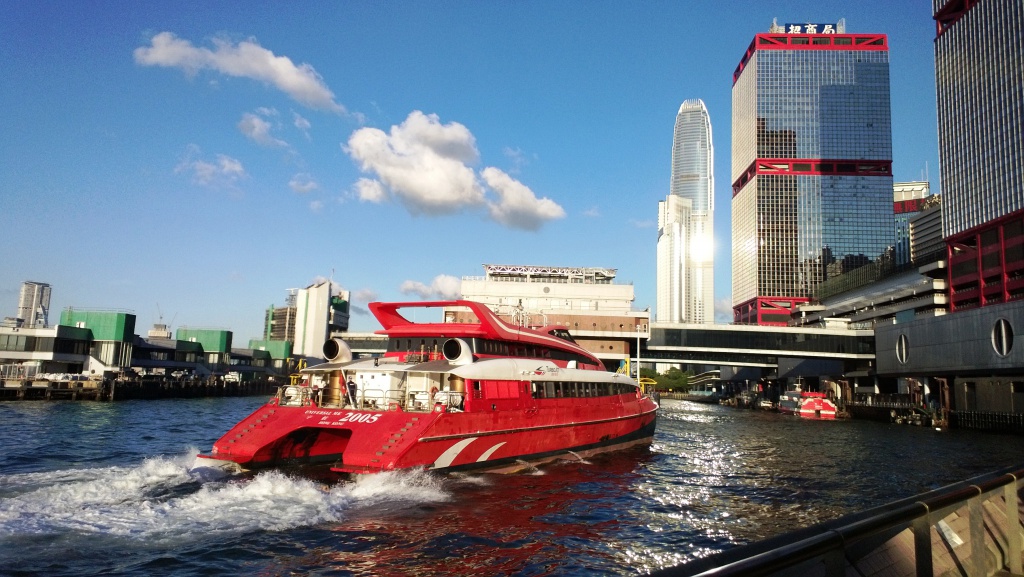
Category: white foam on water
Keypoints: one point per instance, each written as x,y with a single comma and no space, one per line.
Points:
178,499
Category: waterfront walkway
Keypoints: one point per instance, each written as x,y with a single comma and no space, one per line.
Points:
972,528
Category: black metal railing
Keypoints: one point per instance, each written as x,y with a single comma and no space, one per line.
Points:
830,548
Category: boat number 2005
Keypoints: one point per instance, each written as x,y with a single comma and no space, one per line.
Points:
358,418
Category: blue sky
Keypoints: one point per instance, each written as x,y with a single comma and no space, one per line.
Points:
196,160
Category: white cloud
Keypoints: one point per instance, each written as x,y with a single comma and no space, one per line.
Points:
231,167
246,59
592,212
518,207
223,172
443,287
302,184
301,123
335,287
517,157
365,295
422,162
370,190
316,205
258,130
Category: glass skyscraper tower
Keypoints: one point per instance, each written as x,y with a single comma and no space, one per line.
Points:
811,165
685,220
979,49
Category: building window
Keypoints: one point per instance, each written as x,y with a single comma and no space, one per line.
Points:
1002,337
902,347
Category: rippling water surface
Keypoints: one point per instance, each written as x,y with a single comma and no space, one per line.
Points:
115,489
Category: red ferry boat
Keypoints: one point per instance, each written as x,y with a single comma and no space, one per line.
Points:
807,404
480,395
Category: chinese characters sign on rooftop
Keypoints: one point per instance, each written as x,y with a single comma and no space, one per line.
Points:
811,28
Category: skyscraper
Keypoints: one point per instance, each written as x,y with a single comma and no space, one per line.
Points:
811,164
974,354
978,53
908,198
34,304
685,221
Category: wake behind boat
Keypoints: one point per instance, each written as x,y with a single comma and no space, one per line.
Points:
468,395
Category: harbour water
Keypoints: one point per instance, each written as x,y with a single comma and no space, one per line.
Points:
115,489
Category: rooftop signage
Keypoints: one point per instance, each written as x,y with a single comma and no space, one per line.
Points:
810,28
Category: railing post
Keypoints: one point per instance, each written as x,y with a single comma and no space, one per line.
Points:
977,529
1013,534
923,546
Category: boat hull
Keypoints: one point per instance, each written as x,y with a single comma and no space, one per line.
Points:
354,441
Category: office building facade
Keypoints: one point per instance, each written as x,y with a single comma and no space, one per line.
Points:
973,355
908,198
685,290
978,53
811,165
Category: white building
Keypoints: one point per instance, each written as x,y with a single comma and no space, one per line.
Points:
685,291
34,305
318,314
597,311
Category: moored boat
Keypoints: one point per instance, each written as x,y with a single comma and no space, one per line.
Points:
816,406
478,395
809,405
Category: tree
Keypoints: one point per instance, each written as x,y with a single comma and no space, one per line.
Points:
672,380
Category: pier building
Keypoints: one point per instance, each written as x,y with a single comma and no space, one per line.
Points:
92,352
596,310
974,353
811,164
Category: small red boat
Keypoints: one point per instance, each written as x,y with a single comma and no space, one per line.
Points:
816,406
807,405
475,394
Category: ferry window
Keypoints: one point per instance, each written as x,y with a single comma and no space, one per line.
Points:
549,390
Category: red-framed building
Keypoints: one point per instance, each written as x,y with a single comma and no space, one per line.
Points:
811,165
